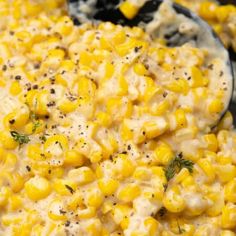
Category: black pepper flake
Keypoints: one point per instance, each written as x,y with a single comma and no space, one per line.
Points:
189,78
37,66
67,224
210,67
35,86
52,91
28,168
62,211
71,190
165,94
4,67
51,104
49,171
129,147
18,77
11,32
12,121
221,73
46,117
124,152
136,49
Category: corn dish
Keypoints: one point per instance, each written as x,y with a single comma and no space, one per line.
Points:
106,131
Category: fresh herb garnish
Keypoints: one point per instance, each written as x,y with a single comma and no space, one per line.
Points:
35,121
176,165
20,138
180,229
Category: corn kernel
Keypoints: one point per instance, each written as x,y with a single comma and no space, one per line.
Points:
37,188
128,193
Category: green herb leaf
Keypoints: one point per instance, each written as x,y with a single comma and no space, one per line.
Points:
176,165
20,138
35,120
180,229
36,125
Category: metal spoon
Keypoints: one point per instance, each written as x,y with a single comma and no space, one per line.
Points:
107,10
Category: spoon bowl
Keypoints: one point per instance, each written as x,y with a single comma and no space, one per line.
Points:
104,10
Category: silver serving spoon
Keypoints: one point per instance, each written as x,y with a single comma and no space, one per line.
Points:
107,10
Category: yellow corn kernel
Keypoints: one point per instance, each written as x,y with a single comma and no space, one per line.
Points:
5,193
160,108
125,132
230,191
73,158
9,219
56,210
120,212
96,156
82,175
212,143
159,172
37,188
56,144
188,182
64,26
227,233
173,201
207,10
34,152
155,128
119,37
94,197
228,218
128,193
14,202
67,106
123,86
94,227
226,122
86,87
222,13
207,167
7,140
123,166
103,119
86,212
17,119
217,204
216,106
181,176
140,69
119,108
225,172
128,9
180,118
64,187
179,86
15,88
142,173
16,182
197,78
108,186
40,103
163,154
152,225
10,161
